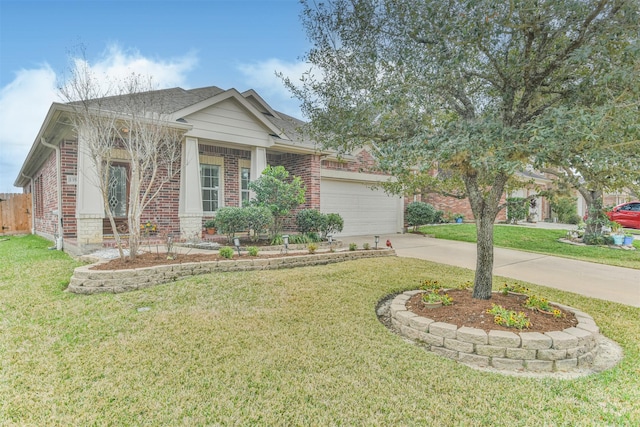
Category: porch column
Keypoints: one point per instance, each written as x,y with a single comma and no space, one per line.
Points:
190,208
258,161
89,204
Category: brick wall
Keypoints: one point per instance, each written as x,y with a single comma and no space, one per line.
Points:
47,199
363,162
69,163
163,209
232,157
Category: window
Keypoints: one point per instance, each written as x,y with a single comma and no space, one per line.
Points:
210,182
118,190
245,177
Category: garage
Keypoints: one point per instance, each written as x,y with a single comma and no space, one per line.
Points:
364,210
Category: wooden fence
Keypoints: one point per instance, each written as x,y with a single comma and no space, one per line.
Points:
15,213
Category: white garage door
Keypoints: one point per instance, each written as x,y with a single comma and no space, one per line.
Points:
365,211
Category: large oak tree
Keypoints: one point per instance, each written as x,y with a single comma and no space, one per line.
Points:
454,84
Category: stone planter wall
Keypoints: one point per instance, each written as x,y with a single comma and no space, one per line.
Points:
87,281
524,351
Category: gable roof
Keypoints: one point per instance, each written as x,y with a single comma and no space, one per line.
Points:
176,102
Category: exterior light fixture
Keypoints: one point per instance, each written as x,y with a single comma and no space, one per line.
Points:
285,240
377,239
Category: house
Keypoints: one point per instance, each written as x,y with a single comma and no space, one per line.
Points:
230,137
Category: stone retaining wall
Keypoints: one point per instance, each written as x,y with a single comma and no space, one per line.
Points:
565,350
87,281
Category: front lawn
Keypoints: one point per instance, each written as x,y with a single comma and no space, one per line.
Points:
538,240
285,347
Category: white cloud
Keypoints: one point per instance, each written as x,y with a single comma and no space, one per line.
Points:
25,101
261,76
24,104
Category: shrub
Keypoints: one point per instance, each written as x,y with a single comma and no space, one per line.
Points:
565,208
277,192
508,318
353,246
420,213
226,252
366,246
310,221
230,220
259,219
312,247
333,224
252,250
517,209
298,239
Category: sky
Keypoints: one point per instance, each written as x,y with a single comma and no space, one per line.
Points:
186,43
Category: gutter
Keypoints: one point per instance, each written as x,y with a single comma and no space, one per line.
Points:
33,203
58,241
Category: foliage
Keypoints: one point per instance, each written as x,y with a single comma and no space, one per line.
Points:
596,220
366,246
312,247
226,252
515,288
353,246
277,192
517,209
565,208
462,87
310,220
435,296
509,318
259,219
210,223
253,251
429,285
277,240
230,220
128,117
332,224
542,304
420,213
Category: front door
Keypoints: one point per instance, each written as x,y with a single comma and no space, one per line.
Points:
117,198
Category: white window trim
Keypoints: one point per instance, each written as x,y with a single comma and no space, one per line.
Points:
214,161
243,164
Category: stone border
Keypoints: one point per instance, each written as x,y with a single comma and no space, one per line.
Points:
87,281
556,351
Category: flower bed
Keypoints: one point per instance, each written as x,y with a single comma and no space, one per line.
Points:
571,348
85,280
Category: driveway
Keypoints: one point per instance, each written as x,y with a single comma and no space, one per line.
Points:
605,282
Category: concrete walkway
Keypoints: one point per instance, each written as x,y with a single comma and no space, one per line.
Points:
605,282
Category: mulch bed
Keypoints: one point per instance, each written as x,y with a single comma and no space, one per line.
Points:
150,259
470,312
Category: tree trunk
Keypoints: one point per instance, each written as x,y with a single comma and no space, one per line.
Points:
483,281
485,204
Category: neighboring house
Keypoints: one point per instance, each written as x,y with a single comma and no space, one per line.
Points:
231,137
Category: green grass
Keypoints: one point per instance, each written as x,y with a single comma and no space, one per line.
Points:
539,240
288,347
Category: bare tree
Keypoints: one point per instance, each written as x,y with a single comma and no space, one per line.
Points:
132,125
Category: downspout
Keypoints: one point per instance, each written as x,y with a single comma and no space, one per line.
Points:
33,203
58,241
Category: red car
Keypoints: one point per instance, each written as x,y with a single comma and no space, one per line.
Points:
626,214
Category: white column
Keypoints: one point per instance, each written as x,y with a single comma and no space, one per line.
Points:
258,161
190,208
89,204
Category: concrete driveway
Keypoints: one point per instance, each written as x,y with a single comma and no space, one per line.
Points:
605,282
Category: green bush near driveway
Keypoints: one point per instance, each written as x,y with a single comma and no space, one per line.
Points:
288,347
